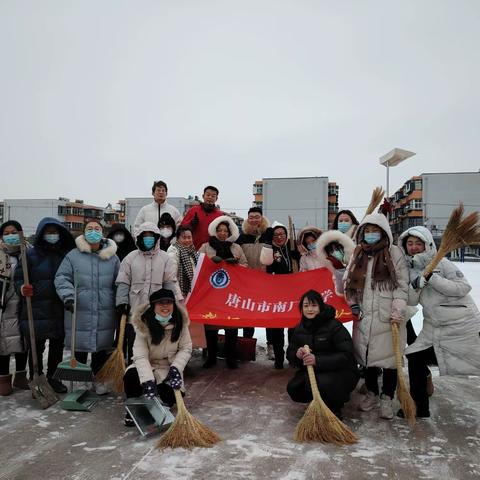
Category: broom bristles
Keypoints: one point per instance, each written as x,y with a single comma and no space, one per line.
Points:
377,196
319,423
113,371
186,431
403,393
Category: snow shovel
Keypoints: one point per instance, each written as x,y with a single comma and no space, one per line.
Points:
41,389
149,416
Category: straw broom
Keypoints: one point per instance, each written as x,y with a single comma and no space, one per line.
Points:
186,431
403,393
319,424
459,232
114,369
377,196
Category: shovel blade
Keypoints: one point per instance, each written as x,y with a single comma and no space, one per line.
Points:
42,391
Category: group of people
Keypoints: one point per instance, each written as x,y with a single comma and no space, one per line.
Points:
147,277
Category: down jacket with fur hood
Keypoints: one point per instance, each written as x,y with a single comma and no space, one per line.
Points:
451,320
153,361
236,250
308,259
372,333
251,242
94,274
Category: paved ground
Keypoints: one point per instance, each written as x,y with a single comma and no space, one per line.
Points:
251,411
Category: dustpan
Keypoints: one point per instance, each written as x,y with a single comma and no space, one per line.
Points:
79,400
149,416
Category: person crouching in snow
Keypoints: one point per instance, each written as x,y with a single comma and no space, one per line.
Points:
376,287
451,320
161,350
307,242
331,354
223,233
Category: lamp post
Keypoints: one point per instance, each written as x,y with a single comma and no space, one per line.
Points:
392,159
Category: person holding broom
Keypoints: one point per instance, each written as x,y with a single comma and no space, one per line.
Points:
451,320
161,350
331,354
376,288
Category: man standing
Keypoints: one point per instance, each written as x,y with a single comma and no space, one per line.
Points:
198,218
251,240
153,211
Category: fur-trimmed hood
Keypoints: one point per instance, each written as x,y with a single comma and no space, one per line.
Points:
264,224
142,327
301,235
378,219
335,236
234,233
108,250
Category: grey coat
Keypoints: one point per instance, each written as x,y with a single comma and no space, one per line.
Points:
95,275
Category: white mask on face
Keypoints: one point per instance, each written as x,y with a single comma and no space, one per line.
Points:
166,232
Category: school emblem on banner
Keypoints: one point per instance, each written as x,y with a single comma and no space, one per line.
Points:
219,279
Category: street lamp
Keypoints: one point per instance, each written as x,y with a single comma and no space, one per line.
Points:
392,159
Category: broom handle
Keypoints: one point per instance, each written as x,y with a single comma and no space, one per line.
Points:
73,360
312,378
28,300
180,403
396,348
121,332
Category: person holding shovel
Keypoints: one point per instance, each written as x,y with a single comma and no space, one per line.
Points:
52,242
161,350
451,320
331,354
11,340
376,288
92,268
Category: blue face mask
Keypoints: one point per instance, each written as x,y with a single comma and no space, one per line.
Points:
312,246
148,242
163,320
51,238
372,238
344,226
12,239
92,236
338,255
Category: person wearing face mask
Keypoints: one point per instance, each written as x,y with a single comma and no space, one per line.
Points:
376,288
221,246
52,242
142,272
307,242
346,223
162,349
451,321
167,230
199,217
92,267
331,355
123,238
334,250
11,340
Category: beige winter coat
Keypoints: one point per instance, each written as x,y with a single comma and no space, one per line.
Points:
252,249
309,259
372,334
153,361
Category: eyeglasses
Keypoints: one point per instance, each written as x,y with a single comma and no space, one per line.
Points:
280,235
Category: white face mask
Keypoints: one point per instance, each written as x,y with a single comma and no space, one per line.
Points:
166,232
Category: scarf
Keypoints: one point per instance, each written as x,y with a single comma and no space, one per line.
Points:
336,264
222,249
185,267
383,271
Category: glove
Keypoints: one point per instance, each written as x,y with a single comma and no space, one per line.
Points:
194,222
27,290
149,389
68,306
420,282
355,308
123,309
216,259
232,260
268,237
174,378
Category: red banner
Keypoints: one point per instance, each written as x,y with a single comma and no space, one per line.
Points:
231,295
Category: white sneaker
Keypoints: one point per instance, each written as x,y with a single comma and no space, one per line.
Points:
100,388
386,408
270,354
369,402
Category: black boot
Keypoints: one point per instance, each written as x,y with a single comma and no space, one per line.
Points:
212,346
231,335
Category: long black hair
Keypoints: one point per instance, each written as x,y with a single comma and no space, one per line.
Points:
313,297
156,330
346,212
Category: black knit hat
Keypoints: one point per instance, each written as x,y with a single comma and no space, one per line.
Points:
162,294
10,223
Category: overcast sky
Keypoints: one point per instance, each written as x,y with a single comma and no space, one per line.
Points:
99,98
